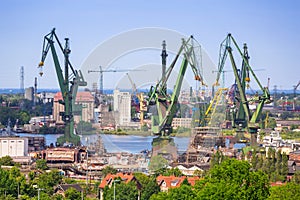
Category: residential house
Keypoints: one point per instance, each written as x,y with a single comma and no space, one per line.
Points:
124,177
61,189
168,182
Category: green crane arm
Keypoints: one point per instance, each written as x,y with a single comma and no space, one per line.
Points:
167,105
240,86
242,79
65,80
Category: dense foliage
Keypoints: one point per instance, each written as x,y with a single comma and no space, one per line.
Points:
15,108
227,179
231,179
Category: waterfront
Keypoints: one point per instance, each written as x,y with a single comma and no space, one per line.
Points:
117,143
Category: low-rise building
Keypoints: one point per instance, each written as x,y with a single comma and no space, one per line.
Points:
13,146
109,180
63,155
61,189
168,182
181,122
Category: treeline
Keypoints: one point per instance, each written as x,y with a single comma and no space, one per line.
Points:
15,108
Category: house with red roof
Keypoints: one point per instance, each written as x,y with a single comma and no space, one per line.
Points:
123,177
168,182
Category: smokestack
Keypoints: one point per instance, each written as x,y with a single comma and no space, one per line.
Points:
35,91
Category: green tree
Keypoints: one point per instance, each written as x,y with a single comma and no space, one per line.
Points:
173,171
232,179
290,191
123,191
185,182
278,162
85,128
149,185
184,192
157,162
284,167
254,160
217,158
7,161
72,194
23,117
296,177
144,127
108,170
41,164
48,180
8,183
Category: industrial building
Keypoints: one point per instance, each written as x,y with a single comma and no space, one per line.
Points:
13,146
29,93
85,99
181,122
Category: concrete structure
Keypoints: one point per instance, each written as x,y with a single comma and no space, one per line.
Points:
63,155
122,107
47,97
29,93
105,118
13,146
85,99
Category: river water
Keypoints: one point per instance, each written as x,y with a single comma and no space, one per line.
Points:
117,143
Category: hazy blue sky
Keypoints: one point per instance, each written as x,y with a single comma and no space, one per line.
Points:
270,28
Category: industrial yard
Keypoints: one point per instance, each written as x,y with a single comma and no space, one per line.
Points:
130,101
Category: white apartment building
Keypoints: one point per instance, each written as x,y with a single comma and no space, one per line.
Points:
122,107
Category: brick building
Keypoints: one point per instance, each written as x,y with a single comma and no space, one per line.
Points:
85,99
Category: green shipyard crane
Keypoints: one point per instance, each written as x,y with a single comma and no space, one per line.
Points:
166,105
241,115
68,83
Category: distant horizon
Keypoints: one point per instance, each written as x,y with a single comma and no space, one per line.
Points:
109,91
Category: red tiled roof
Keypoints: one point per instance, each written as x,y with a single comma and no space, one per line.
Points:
110,177
173,181
278,183
81,96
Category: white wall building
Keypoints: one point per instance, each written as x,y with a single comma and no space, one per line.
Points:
122,106
13,146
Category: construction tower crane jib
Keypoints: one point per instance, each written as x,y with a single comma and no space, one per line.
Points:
101,71
165,104
68,83
241,115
